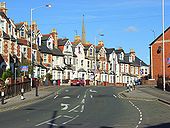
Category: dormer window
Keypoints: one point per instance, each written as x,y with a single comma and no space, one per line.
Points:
91,51
22,32
130,58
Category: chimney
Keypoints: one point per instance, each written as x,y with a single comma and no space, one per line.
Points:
55,37
3,7
77,38
132,53
101,43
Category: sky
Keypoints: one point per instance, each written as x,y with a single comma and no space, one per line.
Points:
124,23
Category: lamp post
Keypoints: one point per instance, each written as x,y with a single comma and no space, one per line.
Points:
32,9
163,47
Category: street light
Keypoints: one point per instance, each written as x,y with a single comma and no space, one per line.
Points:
95,40
32,9
163,43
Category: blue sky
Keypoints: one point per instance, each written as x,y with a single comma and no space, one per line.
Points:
124,23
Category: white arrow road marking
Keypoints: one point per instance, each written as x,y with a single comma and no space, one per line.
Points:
74,108
70,120
66,97
47,121
92,90
65,106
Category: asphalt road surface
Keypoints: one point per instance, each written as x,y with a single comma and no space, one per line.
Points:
88,107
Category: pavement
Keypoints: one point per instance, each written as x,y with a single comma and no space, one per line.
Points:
140,93
147,92
29,97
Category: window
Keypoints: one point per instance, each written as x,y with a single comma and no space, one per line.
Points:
45,58
81,62
22,32
70,61
146,72
111,66
91,51
79,51
88,64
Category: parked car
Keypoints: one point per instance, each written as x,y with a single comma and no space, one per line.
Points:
77,82
138,82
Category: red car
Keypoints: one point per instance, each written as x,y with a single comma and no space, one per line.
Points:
77,82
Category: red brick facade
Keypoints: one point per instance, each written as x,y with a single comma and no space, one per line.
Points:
156,52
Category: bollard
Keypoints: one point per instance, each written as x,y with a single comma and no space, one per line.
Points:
36,90
2,97
22,94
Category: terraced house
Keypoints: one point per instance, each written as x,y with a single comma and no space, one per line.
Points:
63,59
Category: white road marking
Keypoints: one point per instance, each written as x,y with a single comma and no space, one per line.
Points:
78,96
67,116
74,108
65,106
85,96
92,90
52,124
114,96
48,121
66,90
82,108
70,120
140,114
55,96
83,101
66,97
91,96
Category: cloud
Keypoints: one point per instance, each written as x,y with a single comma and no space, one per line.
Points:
131,29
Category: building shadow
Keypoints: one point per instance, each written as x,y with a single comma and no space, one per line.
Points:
163,125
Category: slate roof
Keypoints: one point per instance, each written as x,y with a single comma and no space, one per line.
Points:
62,42
108,52
19,25
57,52
137,62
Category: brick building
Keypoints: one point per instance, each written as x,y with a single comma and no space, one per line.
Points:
156,55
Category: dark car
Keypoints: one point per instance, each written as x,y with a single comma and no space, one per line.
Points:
138,82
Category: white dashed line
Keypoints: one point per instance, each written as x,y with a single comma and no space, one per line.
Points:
114,96
82,108
47,121
91,96
70,120
78,96
74,108
140,114
66,97
52,124
83,101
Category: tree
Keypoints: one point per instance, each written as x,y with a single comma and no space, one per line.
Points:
6,74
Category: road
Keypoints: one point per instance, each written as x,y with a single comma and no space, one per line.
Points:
88,107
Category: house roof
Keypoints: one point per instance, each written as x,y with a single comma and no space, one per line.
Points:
6,36
62,42
4,16
45,37
22,42
57,52
160,36
19,25
44,49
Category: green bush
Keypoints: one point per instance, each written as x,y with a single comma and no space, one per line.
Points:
6,74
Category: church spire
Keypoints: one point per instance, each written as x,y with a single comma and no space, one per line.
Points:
83,32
